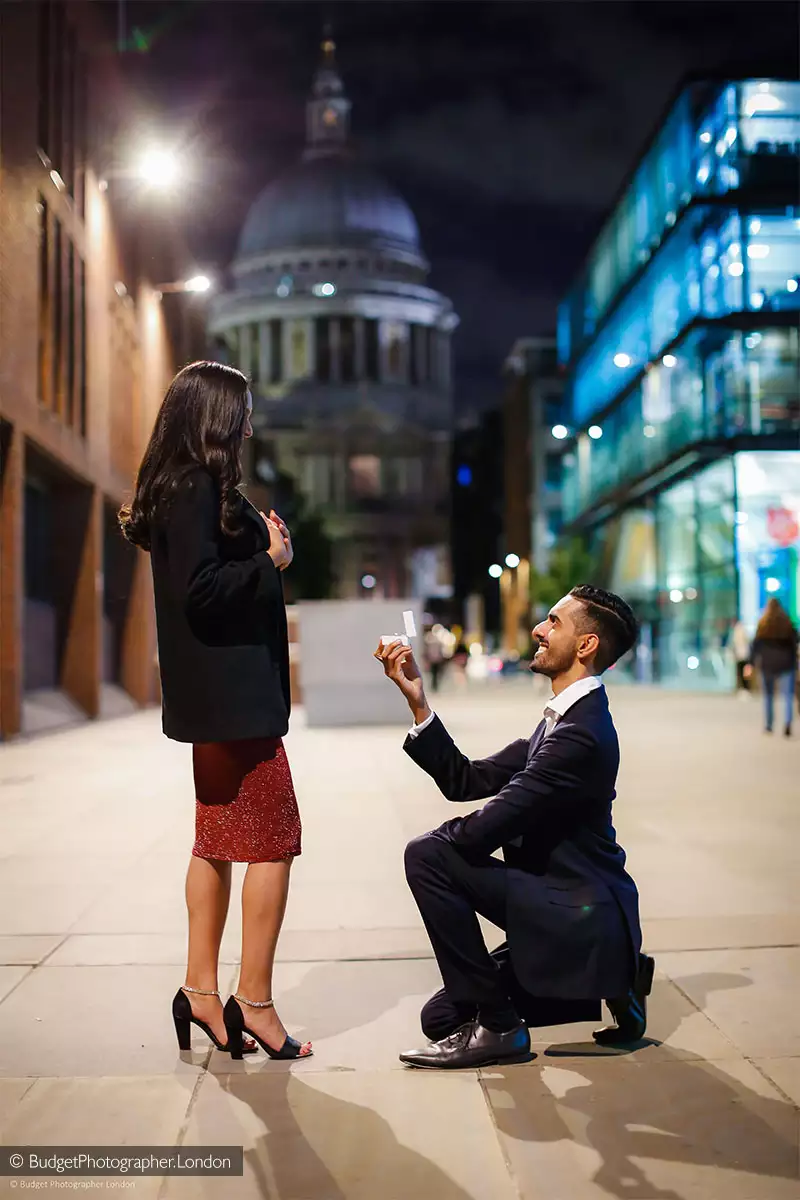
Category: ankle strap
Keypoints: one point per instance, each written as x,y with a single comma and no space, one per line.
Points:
254,1003
198,991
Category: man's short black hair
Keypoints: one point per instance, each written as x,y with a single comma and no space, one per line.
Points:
611,619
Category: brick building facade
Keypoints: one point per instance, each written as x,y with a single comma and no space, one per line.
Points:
85,355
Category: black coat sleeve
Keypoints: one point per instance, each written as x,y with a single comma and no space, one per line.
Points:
553,785
206,586
456,777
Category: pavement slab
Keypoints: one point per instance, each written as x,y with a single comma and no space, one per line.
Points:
658,1131
351,1135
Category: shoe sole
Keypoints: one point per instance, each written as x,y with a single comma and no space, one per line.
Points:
516,1060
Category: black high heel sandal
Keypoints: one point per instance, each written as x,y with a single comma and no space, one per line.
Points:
184,1018
236,1029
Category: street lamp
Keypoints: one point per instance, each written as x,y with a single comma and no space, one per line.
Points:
156,166
512,560
495,570
159,167
196,283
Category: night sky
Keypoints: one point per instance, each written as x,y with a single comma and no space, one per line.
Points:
508,127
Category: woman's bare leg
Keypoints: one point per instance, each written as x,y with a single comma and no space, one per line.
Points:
208,890
264,894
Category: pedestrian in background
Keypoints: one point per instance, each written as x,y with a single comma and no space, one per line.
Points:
740,643
434,657
224,662
774,653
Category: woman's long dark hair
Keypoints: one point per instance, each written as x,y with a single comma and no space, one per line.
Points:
775,624
201,423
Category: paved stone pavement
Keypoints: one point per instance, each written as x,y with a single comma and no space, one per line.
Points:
95,827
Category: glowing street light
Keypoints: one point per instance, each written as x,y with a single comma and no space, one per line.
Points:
495,570
512,560
560,432
595,432
158,167
198,283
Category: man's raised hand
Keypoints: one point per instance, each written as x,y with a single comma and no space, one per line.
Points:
400,666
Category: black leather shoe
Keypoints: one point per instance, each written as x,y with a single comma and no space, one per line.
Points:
473,1046
630,1012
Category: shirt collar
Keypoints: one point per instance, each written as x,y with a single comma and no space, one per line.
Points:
560,705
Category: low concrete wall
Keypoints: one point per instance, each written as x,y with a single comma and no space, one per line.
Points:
341,682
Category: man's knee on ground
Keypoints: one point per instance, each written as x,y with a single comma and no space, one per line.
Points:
440,1017
431,1021
421,851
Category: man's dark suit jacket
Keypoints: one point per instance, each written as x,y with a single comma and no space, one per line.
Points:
573,911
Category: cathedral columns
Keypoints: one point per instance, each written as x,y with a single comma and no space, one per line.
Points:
336,350
360,334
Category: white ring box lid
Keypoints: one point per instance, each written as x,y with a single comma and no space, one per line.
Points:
410,627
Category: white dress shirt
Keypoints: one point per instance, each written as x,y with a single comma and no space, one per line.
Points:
556,707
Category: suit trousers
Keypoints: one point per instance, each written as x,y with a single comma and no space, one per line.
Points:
451,891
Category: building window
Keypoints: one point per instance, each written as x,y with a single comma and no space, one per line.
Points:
61,121
82,351
364,472
45,76
404,476
45,301
72,347
318,479
39,507
419,355
432,355
372,351
57,392
553,471
61,342
323,332
347,349
275,352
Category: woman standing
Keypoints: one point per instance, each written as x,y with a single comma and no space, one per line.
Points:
224,663
774,652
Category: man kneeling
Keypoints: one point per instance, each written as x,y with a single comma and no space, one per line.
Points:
562,894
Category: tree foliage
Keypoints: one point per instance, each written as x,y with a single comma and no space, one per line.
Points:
571,563
311,575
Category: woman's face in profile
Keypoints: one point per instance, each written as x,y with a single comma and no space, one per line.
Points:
248,425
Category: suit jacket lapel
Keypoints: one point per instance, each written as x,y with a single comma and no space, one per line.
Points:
536,737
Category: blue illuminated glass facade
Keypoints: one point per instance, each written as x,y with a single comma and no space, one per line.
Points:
681,345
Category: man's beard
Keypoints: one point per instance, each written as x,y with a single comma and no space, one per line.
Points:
546,664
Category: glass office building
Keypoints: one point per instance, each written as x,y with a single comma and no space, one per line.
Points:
681,344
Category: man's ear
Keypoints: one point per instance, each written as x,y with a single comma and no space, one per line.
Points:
588,646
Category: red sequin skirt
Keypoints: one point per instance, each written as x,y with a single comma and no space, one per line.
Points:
246,808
